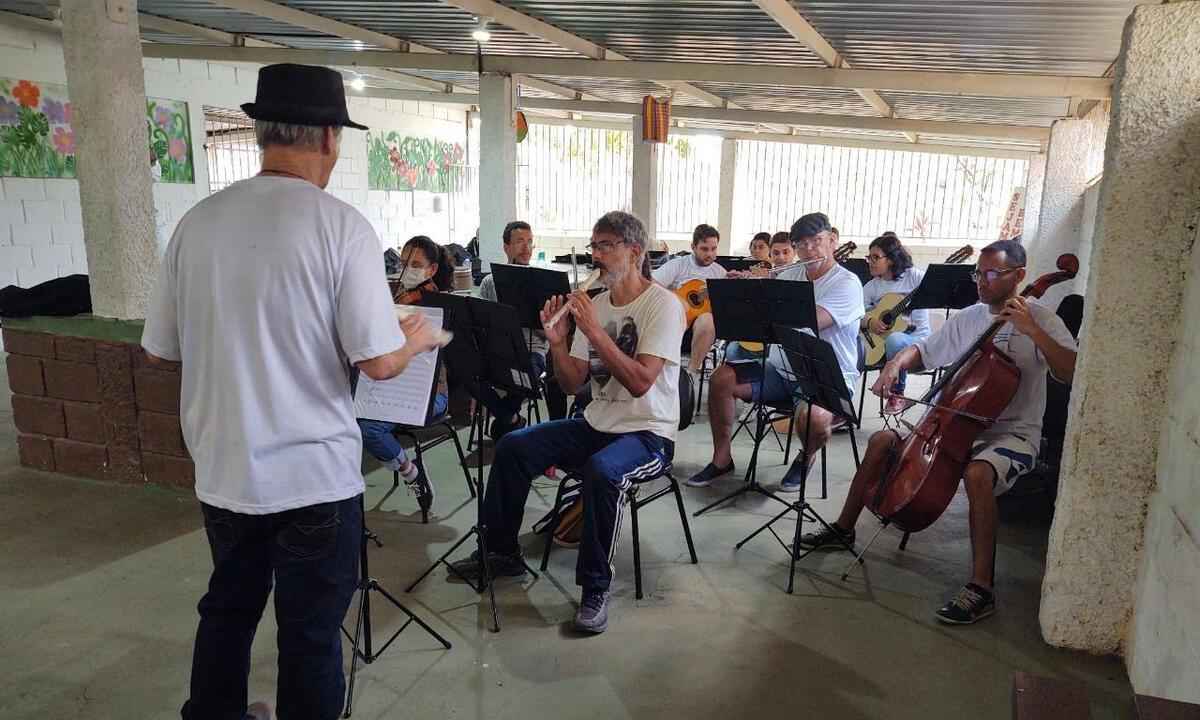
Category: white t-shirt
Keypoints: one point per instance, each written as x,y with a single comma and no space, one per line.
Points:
677,271
1023,416
267,289
840,293
878,287
653,324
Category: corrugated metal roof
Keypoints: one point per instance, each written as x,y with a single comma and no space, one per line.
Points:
835,101
1069,37
1021,111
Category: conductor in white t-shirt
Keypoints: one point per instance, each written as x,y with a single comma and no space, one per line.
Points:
700,265
627,342
1038,342
269,290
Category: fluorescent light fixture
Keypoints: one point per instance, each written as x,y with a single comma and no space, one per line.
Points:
358,84
481,35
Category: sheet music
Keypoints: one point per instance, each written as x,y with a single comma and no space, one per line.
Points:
405,398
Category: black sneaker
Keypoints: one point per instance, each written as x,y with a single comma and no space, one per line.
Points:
501,565
500,428
831,538
710,472
972,604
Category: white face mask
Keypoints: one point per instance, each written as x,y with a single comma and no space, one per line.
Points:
412,277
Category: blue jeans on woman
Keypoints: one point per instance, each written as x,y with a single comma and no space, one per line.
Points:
382,444
310,555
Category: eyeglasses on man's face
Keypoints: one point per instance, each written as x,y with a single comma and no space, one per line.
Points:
991,276
604,246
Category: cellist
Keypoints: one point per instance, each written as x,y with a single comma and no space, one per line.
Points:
1037,340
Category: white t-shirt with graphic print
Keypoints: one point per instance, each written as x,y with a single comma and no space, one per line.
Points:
839,292
679,270
1023,416
653,324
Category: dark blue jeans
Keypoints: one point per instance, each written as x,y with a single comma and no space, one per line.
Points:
609,464
311,554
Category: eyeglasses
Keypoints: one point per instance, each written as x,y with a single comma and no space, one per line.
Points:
811,242
604,246
992,276
875,258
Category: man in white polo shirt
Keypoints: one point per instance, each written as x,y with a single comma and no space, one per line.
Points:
269,290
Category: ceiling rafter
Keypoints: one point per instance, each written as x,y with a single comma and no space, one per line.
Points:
789,18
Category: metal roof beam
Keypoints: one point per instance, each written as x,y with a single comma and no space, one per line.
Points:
790,19
328,26
946,83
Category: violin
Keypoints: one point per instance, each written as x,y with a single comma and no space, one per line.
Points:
974,391
411,296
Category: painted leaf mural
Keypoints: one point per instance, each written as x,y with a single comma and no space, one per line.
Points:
170,140
403,162
36,137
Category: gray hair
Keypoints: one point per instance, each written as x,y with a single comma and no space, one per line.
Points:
301,137
624,225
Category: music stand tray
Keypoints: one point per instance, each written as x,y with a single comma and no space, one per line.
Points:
489,347
859,267
946,287
527,289
743,310
816,368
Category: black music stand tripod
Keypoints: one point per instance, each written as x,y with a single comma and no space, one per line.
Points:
361,646
821,383
742,311
489,347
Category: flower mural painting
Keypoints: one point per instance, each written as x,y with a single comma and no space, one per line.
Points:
37,140
36,137
402,162
170,141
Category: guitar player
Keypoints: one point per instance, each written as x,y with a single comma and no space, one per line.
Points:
892,271
701,264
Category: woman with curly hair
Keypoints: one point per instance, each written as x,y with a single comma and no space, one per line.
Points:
892,271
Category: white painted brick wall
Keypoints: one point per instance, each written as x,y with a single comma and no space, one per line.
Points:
41,223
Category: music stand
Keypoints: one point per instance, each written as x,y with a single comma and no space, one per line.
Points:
489,347
752,310
527,289
821,383
947,287
737,262
859,267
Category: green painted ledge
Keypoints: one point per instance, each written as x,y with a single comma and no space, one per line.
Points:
86,326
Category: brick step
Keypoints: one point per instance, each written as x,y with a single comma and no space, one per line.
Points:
1153,708
1036,697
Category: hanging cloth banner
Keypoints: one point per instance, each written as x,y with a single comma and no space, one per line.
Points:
656,119
522,127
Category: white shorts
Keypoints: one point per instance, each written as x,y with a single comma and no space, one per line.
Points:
1011,456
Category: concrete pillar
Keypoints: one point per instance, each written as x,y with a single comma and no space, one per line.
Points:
1143,249
725,198
645,180
103,55
497,163
1035,181
1075,156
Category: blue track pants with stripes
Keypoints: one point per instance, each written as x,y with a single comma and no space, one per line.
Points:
609,464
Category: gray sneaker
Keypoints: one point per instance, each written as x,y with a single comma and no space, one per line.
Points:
593,612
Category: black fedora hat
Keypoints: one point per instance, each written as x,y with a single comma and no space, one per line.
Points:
300,95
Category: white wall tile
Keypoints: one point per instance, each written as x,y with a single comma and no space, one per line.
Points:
7,277
73,212
11,211
31,235
15,258
46,212
64,234
51,256
24,189
62,190
28,277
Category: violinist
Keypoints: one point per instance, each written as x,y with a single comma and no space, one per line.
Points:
426,270
1037,341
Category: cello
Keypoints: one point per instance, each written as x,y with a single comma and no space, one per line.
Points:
974,391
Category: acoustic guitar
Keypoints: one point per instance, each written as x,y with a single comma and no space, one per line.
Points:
891,310
694,293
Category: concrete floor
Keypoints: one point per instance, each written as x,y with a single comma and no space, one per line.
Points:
98,586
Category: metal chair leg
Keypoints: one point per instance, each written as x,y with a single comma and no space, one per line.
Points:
787,452
462,459
824,474
904,541
687,530
554,518
862,391
854,448
637,547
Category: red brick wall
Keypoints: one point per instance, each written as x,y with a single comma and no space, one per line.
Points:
95,409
